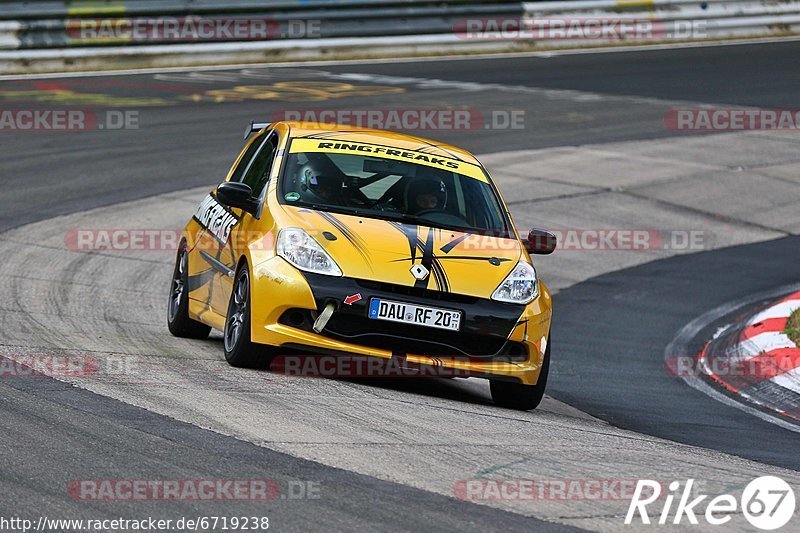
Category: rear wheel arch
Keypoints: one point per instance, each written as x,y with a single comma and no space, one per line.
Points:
178,320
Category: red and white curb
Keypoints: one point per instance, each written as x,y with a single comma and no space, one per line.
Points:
766,334
756,360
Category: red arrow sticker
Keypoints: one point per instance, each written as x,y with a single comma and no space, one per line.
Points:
353,298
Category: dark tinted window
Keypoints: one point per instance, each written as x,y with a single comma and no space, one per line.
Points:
258,174
238,172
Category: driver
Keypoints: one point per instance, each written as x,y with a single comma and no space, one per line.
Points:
316,187
425,195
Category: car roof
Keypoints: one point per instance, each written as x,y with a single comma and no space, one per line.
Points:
341,132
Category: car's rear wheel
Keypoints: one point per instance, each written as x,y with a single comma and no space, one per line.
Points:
519,396
178,320
240,351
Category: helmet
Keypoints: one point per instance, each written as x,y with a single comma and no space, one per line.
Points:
318,187
425,187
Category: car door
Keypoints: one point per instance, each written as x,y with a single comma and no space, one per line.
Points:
205,250
256,175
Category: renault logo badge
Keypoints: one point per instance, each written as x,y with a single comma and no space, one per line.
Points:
419,272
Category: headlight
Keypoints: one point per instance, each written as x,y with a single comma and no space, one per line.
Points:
302,251
519,287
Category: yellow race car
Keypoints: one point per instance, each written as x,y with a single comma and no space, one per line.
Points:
354,242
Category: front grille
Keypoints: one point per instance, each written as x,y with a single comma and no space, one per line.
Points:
402,290
484,329
404,338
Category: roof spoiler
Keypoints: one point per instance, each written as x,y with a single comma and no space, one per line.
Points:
253,127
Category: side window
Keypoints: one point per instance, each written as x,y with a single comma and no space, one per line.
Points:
258,174
238,172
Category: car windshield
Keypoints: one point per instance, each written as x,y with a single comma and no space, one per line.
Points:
390,189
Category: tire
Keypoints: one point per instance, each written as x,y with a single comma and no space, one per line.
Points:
240,351
518,396
178,320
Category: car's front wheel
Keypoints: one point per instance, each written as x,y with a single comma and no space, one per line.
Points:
178,320
240,351
519,396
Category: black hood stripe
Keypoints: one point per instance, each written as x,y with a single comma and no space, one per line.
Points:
428,260
357,242
455,242
410,233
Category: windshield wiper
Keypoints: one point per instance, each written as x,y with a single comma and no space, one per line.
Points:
398,217
416,221
334,209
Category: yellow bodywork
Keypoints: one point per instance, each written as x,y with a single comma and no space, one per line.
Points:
373,250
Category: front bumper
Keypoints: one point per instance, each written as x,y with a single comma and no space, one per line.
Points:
496,340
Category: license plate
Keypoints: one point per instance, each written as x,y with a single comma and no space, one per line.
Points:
419,315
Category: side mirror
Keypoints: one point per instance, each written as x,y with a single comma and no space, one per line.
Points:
540,242
235,194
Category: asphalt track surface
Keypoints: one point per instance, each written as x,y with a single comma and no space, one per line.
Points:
54,432
184,144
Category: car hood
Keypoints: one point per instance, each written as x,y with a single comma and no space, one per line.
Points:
385,251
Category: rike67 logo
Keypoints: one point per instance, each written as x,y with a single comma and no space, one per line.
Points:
767,502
